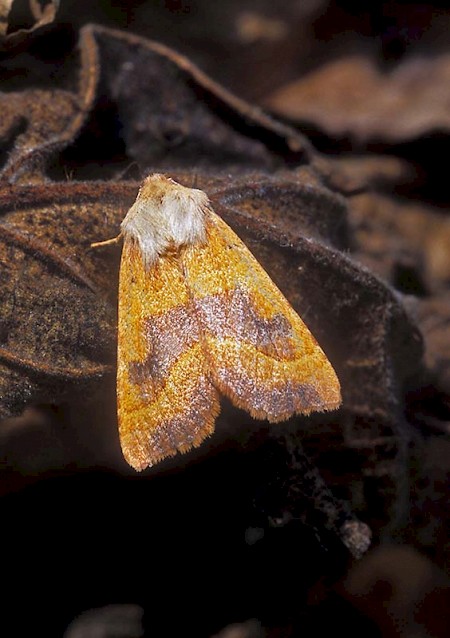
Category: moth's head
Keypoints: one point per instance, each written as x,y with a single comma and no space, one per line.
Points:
166,215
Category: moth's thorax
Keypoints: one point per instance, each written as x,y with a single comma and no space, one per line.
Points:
166,215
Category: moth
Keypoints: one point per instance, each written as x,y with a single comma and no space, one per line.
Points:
198,318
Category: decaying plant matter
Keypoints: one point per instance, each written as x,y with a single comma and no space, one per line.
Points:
368,272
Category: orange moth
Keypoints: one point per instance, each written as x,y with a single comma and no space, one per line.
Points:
199,317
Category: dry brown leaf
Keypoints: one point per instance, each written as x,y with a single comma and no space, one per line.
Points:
38,123
352,98
188,116
41,13
407,243
401,590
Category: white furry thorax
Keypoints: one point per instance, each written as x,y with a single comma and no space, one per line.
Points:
166,215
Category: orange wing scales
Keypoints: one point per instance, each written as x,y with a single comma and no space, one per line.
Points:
205,319
261,355
166,401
